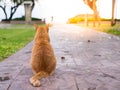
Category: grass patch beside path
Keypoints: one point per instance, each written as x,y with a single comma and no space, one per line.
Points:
114,30
107,28
13,38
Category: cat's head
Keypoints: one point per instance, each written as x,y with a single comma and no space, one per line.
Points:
42,31
44,27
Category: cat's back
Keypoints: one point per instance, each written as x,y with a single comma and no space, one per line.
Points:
42,49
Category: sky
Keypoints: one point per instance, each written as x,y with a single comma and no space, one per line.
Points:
61,10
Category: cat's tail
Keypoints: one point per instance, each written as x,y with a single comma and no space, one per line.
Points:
35,79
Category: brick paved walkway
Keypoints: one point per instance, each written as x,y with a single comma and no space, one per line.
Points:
86,60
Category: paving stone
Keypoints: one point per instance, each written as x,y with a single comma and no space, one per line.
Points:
86,60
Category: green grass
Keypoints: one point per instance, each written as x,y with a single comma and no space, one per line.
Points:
106,27
114,30
14,38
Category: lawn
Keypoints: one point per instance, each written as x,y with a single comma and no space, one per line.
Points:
13,38
115,30
105,27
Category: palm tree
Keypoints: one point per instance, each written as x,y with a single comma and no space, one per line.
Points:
92,5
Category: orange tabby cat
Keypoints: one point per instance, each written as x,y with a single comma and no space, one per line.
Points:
43,61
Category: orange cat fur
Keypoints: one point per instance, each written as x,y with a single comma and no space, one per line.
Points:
43,61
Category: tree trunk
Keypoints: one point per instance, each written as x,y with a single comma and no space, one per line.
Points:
92,5
11,15
33,4
4,10
86,15
113,8
27,12
12,12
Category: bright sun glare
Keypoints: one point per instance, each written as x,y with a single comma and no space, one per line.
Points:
61,10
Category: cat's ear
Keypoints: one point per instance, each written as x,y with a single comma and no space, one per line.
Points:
36,26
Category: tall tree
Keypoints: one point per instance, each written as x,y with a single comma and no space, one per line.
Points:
92,5
14,4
